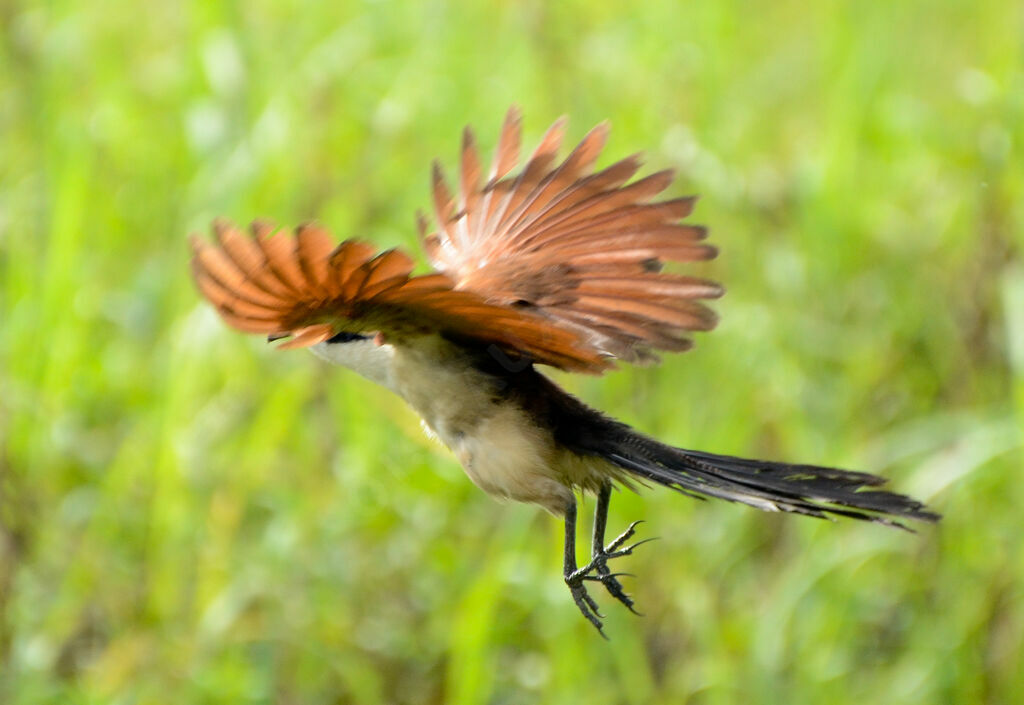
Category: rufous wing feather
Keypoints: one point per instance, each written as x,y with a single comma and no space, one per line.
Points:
583,249
305,287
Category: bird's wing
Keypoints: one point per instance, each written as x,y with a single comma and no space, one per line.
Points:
584,249
306,287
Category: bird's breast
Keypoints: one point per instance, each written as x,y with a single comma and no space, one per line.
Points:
504,450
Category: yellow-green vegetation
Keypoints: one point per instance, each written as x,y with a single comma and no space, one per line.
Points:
189,516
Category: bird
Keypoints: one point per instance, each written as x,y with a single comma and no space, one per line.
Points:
550,264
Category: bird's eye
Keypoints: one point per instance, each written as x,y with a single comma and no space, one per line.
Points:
346,338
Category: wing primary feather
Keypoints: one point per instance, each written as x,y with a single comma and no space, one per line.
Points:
247,257
219,267
685,320
620,203
579,161
443,206
419,286
507,153
665,286
607,179
262,230
598,217
506,156
639,259
384,271
422,226
247,325
313,246
279,250
224,298
528,179
469,185
346,258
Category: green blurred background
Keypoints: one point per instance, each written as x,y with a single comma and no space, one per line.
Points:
189,516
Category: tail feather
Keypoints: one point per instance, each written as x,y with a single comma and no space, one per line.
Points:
771,486
775,487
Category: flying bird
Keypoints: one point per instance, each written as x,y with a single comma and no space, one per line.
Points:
554,264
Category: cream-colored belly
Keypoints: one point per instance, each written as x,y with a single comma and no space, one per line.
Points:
503,450
509,458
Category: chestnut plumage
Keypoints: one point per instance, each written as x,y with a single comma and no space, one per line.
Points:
555,264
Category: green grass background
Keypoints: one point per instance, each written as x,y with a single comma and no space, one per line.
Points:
189,516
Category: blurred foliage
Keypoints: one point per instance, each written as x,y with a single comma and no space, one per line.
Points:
189,516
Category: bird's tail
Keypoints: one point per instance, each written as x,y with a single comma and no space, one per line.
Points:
771,486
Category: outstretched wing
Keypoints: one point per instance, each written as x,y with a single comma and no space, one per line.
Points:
584,249
305,287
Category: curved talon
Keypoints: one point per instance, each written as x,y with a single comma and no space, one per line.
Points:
614,588
623,537
629,606
628,550
597,569
602,577
587,607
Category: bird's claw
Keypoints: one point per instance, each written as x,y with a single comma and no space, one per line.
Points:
597,570
586,604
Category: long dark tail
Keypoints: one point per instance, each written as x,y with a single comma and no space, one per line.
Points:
802,489
775,487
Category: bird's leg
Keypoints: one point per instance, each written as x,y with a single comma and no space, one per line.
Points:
600,554
597,569
573,577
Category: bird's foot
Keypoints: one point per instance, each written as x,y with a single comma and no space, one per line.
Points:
597,570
